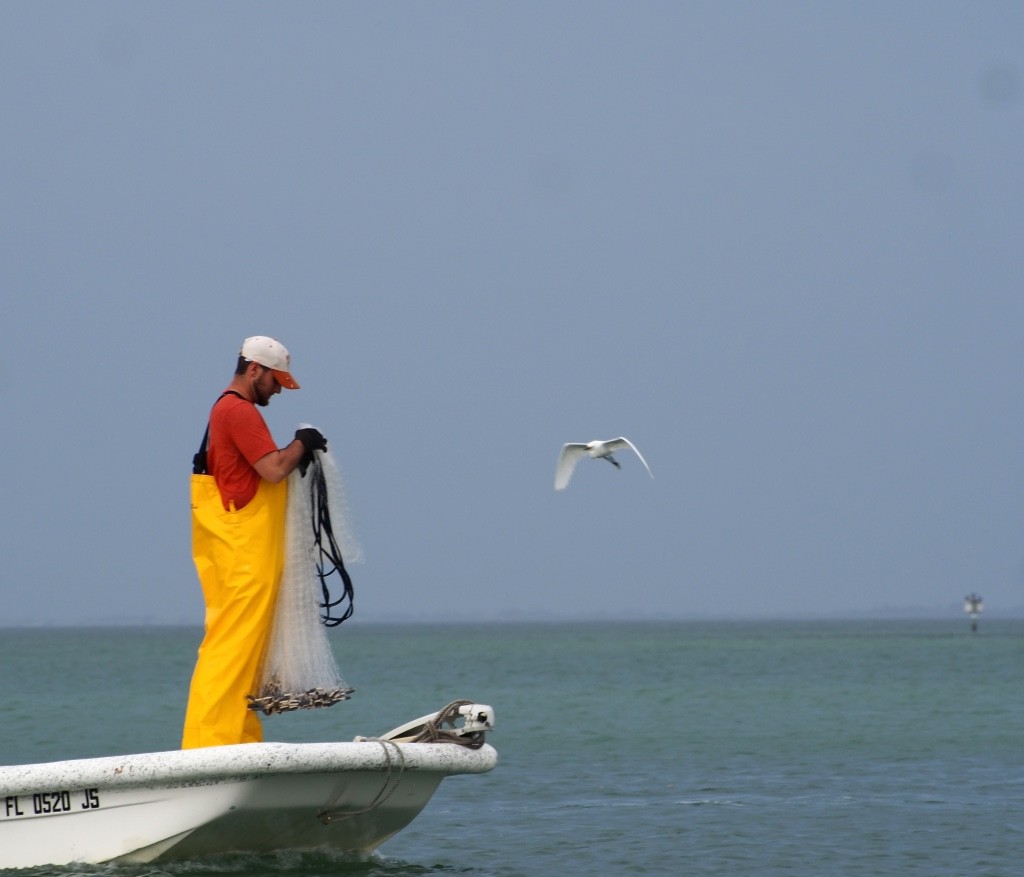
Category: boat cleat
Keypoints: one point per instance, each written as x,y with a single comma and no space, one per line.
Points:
478,717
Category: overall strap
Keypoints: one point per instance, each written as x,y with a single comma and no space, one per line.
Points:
199,459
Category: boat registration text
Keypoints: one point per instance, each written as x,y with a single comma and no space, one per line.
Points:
49,803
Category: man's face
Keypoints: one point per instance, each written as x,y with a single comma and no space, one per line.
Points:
264,385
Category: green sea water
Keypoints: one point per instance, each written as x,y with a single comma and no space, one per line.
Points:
769,748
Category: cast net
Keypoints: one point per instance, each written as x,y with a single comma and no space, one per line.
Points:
299,670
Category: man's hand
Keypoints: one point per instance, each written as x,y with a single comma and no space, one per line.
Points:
312,439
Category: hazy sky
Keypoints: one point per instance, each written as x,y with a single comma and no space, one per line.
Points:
778,245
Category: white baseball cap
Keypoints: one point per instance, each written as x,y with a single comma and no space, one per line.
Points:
272,354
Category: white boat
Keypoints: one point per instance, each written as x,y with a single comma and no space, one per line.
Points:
255,797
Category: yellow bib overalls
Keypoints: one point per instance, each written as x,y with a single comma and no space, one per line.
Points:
239,556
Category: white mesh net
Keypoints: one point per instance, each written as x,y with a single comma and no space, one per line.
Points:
338,505
299,670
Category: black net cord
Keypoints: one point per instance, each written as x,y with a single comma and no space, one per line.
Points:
329,561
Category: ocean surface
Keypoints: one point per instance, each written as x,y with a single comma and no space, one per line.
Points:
802,749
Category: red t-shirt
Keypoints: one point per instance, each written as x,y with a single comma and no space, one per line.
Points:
238,438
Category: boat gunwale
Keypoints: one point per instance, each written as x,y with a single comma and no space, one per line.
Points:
189,767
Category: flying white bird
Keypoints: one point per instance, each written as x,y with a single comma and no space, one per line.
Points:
571,453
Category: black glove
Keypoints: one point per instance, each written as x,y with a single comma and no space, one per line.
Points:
312,439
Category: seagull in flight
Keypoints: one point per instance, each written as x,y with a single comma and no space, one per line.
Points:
571,453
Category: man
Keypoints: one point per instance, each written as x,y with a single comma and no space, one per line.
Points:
239,492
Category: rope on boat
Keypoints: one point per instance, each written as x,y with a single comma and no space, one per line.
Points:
329,816
434,729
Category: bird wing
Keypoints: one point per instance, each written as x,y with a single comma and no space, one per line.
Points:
623,442
568,457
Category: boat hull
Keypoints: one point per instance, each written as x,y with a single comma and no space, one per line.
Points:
258,797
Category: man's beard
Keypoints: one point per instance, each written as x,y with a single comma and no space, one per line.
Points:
260,398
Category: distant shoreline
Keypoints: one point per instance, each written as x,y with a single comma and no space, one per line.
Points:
880,615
